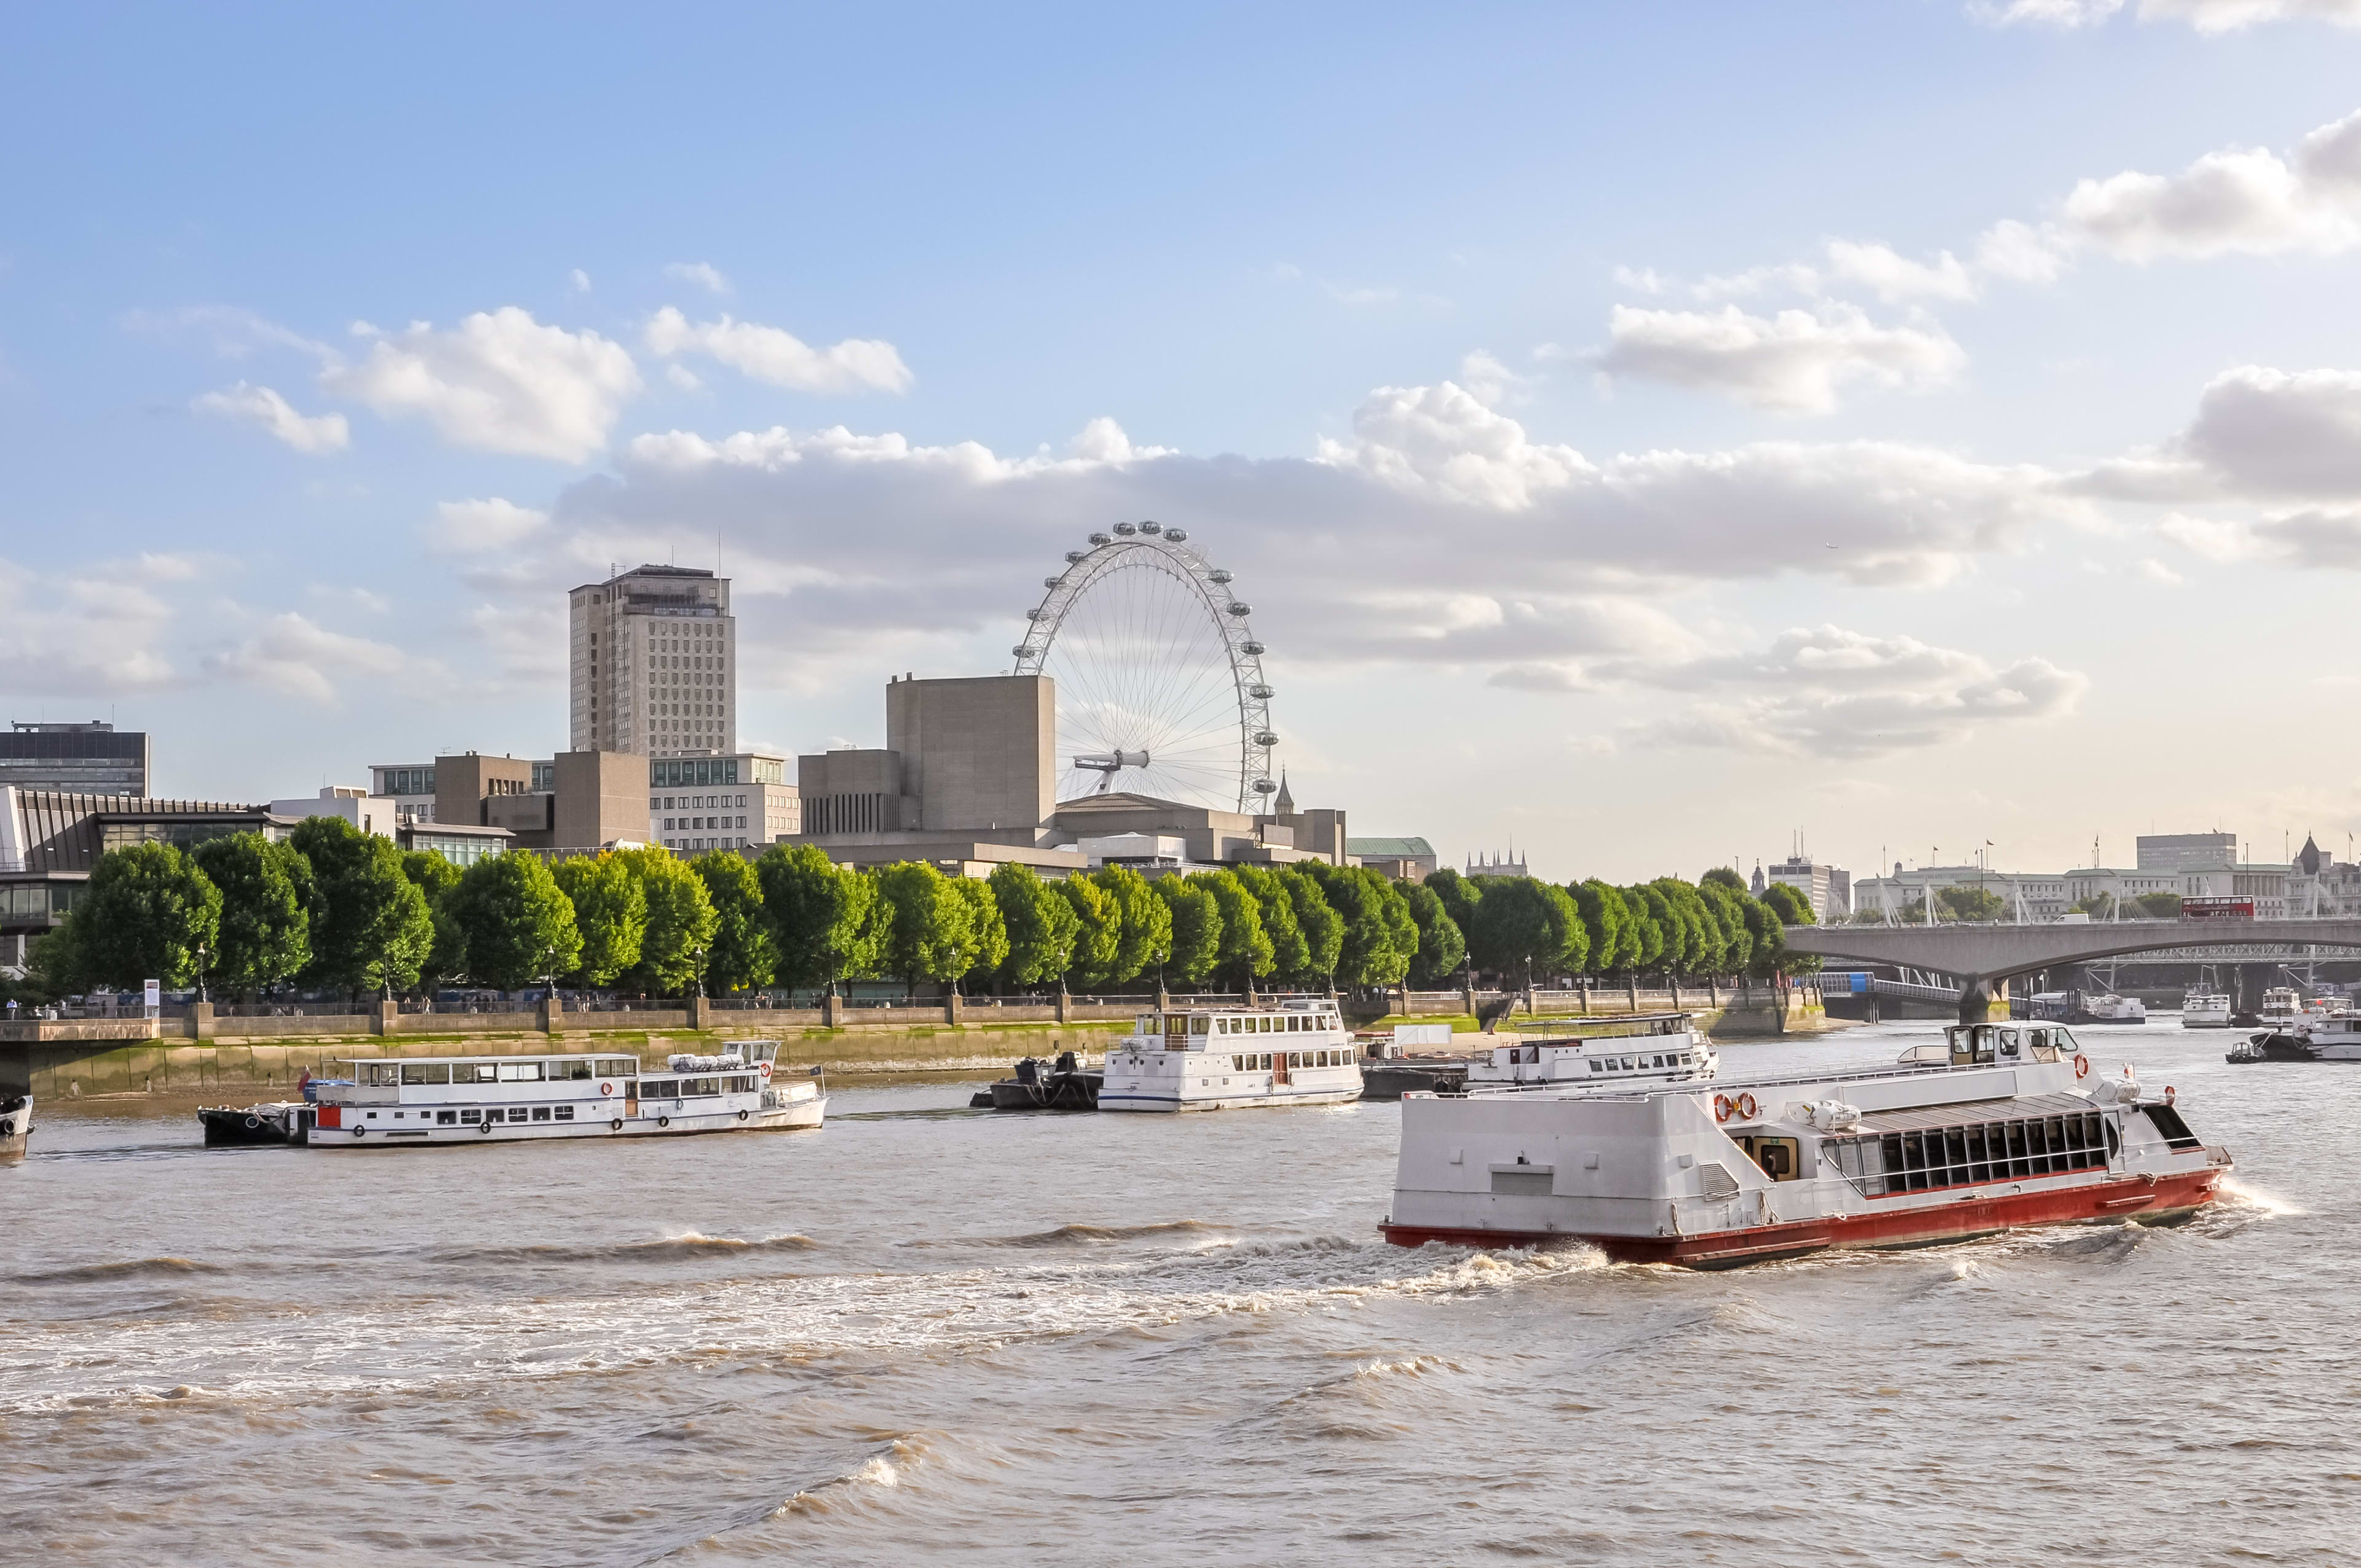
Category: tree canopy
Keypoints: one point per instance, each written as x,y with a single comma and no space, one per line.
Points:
681,923
611,911
1098,931
143,916
819,912
1244,953
518,922
925,934
1196,927
369,926
265,917
741,953
1144,933
1040,923
1441,944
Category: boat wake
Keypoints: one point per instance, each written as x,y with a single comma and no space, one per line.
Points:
107,1272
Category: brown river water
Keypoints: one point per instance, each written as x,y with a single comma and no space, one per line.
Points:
926,1334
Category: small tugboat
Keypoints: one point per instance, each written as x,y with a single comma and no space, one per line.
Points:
2205,1009
1065,1084
1217,1058
15,1126
272,1123
473,1100
1998,1127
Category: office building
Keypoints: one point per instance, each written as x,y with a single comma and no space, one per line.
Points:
741,802
1404,859
83,759
575,802
654,658
370,814
1827,888
2185,851
409,785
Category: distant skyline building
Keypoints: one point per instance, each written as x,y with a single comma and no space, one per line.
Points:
1827,889
1509,864
2185,851
653,653
90,758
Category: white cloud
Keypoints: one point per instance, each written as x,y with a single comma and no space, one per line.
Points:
684,377
260,406
704,274
82,634
1896,276
2156,571
2021,253
470,528
579,281
500,381
1488,380
1793,362
1443,441
2064,15
1827,692
2240,200
2231,16
2278,432
2219,540
770,354
292,655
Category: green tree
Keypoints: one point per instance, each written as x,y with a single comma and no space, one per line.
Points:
1646,949
611,911
930,935
681,923
1685,917
1768,942
518,922
1441,944
1983,905
1525,928
820,914
435,877
1040,923
1247,952
1196,927
2159,906
741,953
1723,876
1459,895
146,910
1726,908
1098,931
266,918
1379,935
370,927
1146,936
987,932
1789,904
1604,922
1290,955
1322,927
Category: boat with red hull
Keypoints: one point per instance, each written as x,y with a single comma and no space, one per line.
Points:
2001,1127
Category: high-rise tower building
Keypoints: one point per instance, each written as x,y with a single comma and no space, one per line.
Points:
655,663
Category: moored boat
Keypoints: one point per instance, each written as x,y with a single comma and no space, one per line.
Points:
2205,1009
1063,1083
15,1126
2086,1007
470,1100
1218,1058
2001,1127
270,1122
1608,1053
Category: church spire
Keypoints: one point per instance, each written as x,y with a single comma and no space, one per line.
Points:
1286,801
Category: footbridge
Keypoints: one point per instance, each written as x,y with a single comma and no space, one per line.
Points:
1982,955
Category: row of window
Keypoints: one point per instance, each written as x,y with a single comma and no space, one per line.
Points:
699,824
694,802
387,1074
470,1118
1638,1064
1986,1151
697,1088
1263,1062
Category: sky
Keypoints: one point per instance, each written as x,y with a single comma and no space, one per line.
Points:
1650,436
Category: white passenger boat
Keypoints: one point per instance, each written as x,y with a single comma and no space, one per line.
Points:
1229,1058
2087,1007
15,1126
475,1099
2205,1009
1611,1053
2282,1005
2003,1125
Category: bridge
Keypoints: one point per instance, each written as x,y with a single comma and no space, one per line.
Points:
1981,955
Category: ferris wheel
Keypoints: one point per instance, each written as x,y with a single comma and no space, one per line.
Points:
1160,686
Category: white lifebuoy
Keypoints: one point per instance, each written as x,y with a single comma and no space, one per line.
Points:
765,1070
1721,1107
2081,1065
1746,1107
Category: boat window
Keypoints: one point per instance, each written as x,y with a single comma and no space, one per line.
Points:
746,1085
1598,1066
618,1067
564,1113
658,1088
471,1116
475,1072
540,1112
575,1069
446,1118
519,1072
378,1073
699,1086
1265,1061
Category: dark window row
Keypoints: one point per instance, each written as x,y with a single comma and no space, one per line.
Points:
1982,1151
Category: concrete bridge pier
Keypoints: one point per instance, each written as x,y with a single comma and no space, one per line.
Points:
1985,1000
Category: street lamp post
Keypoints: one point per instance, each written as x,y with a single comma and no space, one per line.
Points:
201,971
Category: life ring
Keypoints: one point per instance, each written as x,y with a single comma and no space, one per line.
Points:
254,1121
2081,1065
1721,1107
606,1088
742,1115
483,1126
616,1125
664,1121
360,1131
1746,1107
2168,1094
765,1070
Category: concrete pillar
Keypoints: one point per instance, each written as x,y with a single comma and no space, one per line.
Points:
1712,991
1631,988
1062,1001
1163,1000
700,1012
953,1004
832,1010
201,1021
387,1018
1467,996
1674,981
1582,984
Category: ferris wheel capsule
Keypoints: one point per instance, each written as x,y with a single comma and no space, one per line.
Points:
1178,535
1151,528
1126,529
1101,538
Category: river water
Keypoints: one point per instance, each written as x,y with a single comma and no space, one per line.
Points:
924,1333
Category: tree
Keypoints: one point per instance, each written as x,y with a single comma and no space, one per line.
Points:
1789,904
266,919
987,933
1196,927
370,928
518,922
819,912
1041,926
681,923
435,877
1098,930
1459,895
1605,923
1981,904
611,911
1322,927
1290,955
1726,908
1768,942
1724,876
1526,927
928,937
2159,905
1246,952
742,952
1646,949
1147,931
1379,935
146,910
1699,947
1441,944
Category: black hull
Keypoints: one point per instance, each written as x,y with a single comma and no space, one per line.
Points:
1053,1091
1391,1080
258,1127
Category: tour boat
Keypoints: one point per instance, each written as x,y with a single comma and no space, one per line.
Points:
2001,1127
1614,1053
2203,1009
1227,1059
15,1126
2087,1007
273,1121
448,1100
2282,1005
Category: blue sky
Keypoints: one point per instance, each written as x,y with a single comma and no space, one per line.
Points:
1525,364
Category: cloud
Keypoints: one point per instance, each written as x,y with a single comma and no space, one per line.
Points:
1442,441
1794,362
471,528
2156,571
500,381
84,633
238,333
1896,276
2204,16
312,434
293,656
704,274
2236,201
2020,253
2064,15
2276,432
1827,692
770,354
579,281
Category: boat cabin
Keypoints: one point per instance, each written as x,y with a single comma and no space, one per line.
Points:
1658,1048
1228,1028
1986,1045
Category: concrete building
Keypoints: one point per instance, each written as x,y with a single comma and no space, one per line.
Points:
577,801
83,759
978,752
409,785
1827,889
2173,852
654,659
1404,859
370,814
732,802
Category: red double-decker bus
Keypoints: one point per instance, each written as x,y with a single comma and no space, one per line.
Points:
2217,909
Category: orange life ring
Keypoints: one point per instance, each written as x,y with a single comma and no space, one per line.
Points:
1721,1107
766,1070
606,1088
2168,1094
2081,1065
1746,1107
